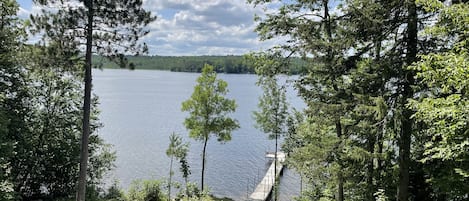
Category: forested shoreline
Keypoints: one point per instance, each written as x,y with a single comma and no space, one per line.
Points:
231,64
385,83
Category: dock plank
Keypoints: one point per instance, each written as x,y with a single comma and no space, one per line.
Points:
264,188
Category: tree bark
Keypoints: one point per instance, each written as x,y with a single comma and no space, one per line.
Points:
203,164
379,169
340,177
370,167
382,129
406,121
170,177
81,191
275,168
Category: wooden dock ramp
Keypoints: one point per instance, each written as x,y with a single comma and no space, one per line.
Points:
264,188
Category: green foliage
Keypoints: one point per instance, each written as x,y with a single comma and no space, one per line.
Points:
176,147
292,139
47,150
356,86
178,150
184,168
192,192
114,193
315,33
208,108
41,118
273,107
208,111
274,62
381,195
11,91
315,160
443,105
145,190
109,29
221,64
117,26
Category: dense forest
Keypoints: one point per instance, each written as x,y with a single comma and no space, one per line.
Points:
385,82
222,64
387,97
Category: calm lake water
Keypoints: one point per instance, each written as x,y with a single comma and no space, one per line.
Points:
141,108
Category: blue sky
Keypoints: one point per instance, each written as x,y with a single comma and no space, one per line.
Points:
196,27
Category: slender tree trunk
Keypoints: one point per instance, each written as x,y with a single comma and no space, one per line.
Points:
340,177
382,129
275,167
203,163
2,22
379,169
187,189
404,156
370,167
81,191
301,184
170,177
406,121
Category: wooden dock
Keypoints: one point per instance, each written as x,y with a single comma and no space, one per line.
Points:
264,188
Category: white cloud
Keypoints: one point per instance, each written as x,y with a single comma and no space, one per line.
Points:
199,27
203,27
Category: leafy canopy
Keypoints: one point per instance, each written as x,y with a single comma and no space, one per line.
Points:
209,109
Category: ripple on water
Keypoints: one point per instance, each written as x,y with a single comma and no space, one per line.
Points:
141,108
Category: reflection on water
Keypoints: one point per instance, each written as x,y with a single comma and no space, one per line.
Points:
141,108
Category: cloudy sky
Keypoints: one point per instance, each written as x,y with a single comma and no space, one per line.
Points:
197,27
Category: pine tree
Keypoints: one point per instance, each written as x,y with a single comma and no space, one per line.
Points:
355,80
176,150
108,28
314,29
12,91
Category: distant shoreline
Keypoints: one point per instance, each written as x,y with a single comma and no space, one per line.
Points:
192,64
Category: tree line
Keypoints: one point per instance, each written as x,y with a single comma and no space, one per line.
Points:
385,85
50,148
222,64
386,92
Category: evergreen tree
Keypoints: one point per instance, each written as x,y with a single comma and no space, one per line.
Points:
13,91
185,170
357,82
315,31
47,150
442,107
108,28
208,112
176,150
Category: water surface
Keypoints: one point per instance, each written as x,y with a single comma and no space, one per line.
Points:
141,108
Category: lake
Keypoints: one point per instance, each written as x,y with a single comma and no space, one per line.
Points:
141,108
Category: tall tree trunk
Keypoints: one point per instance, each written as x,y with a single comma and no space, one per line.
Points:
340,177
382,129
203,163
406,129
370,167
275,167
379,169
170,177
81,191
